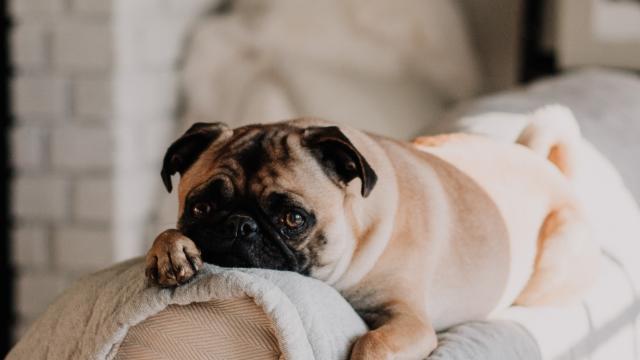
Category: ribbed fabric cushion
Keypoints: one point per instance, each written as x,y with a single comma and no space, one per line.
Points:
218,329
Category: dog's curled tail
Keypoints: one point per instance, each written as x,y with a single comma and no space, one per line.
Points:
553,132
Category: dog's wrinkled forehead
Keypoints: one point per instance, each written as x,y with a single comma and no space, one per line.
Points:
250,156
253,148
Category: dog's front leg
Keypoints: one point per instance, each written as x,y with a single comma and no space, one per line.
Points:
173,259
403,334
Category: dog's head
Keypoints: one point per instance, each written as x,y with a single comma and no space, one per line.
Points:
269,196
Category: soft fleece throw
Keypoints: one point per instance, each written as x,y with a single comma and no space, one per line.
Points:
311,320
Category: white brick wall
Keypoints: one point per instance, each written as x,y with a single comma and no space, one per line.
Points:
148,41
28,144
81,148
93,7
82,248
40,8
40,198
62,146
40,96
93,200
31,246
93,96
29,46
82,45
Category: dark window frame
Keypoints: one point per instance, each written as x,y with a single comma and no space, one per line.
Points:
535,61
7,310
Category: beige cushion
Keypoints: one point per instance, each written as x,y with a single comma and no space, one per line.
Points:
218,329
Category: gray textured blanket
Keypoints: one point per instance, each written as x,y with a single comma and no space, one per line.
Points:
312,320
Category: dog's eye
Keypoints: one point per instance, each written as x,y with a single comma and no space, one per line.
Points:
293,219
200,210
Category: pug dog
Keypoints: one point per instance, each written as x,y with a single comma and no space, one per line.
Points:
417,237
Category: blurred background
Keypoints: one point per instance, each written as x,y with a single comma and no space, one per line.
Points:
93,91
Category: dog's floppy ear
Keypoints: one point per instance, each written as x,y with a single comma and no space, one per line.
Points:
339,157
186,150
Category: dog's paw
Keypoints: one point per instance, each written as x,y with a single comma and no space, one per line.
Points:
173,259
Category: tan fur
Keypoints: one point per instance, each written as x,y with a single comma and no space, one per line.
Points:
456,228
566,262
553,133
435,140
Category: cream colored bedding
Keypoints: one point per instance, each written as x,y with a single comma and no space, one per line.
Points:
234,329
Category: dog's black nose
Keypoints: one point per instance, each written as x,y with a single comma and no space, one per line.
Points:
239,226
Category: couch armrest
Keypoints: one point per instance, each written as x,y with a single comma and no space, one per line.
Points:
217,329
